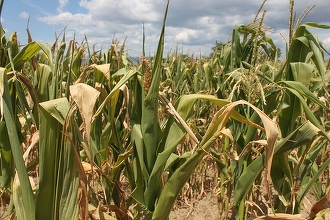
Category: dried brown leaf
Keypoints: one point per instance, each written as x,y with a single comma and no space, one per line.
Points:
34,143
280,216
83,200
271,135
97,214
85,97
319,205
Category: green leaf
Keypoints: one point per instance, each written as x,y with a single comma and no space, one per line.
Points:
44,82
52,117
150,128
216,128
29,51
302,72
121,82
302,135
316,25
299,94
7,164
306,187
27,204
247,179
151,132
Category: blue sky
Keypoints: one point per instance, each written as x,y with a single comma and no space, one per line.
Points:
193,25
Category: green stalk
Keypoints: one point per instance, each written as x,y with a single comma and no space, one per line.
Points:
150,128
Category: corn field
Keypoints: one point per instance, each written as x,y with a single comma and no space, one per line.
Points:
88,134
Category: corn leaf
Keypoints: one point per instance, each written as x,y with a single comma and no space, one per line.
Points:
7,163
281,216
44,82
29,51
121,82
59,175
85,97
302,135
150,128
306,187
27,204
300,91
302,72
180,175
70,170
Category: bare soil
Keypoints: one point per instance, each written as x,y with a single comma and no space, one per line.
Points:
206,208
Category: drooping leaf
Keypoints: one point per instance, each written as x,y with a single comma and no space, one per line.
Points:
302,135
85,97
182,173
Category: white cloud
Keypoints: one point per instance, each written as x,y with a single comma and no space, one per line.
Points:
24,15
182,36
326,43
64,18
125,10
190,23
62,4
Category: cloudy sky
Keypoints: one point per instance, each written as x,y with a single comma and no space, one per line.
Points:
192,25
